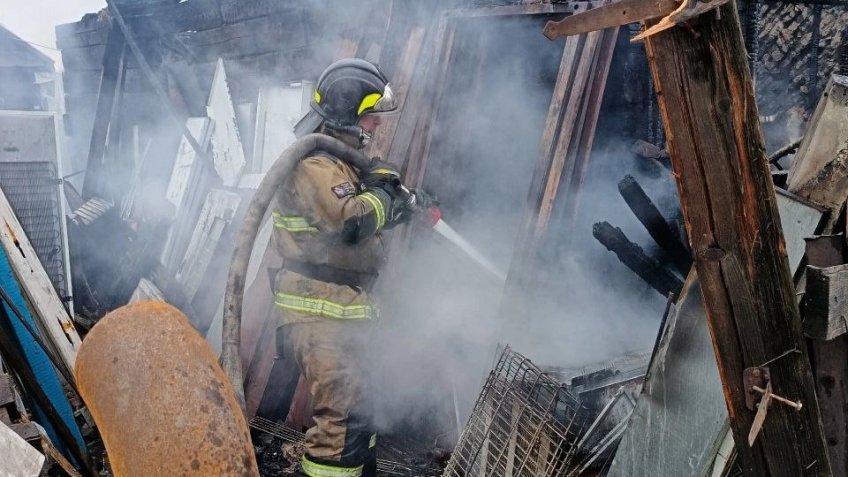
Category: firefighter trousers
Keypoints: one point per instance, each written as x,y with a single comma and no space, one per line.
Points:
331,356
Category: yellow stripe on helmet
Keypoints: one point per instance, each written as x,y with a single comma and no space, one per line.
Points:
368,102
317,97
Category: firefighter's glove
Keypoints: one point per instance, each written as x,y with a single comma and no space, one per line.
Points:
412,204
382,175
423,200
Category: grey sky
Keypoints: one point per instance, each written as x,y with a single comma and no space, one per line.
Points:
35,20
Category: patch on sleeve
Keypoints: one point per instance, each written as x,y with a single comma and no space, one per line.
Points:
344,189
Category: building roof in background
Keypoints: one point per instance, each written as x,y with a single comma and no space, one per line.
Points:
15,52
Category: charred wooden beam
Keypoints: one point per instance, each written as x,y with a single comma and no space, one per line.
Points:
655,223
783,152
709,111
110,78
634,257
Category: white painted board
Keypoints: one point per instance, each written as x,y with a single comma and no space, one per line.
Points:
216,214
278,109
263,241
227,151
200,129
146,291
47,308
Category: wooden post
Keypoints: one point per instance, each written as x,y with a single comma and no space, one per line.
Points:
706,100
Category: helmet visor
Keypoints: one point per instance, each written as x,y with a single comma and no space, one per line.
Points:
387,102
379,103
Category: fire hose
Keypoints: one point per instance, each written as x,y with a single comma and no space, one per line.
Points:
233,296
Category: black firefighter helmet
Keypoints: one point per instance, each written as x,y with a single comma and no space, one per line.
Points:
346,90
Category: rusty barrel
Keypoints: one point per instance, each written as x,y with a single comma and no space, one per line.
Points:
162,403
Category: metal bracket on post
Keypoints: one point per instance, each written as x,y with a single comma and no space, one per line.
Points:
751,377
759,395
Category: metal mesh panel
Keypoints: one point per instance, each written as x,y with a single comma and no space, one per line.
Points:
525,424
33,192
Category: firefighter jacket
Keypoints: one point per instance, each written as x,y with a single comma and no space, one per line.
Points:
329,233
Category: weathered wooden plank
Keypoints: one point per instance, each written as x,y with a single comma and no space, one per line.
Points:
562,163
635,258
28,431
416,162
7,396
830,360
234,11
247,38
508,10
196,15
289,65
709,113
796,212
826,302
401,82
20,459
46,305
582,148
90,30
81,39
227,151
53,453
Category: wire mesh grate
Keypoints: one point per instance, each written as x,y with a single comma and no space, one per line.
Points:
524,424
33,192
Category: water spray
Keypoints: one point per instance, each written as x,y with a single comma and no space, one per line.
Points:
434,218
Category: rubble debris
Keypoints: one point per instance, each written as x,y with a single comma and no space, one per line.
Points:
292,441
673,404
829,355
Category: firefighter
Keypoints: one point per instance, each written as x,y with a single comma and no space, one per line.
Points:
328,220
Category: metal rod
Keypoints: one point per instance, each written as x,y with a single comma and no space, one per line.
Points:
794,405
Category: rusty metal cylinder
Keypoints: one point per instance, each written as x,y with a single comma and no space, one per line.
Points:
162,403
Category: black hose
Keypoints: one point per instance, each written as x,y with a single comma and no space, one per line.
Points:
234,294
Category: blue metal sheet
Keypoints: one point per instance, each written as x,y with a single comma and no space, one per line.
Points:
37,358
